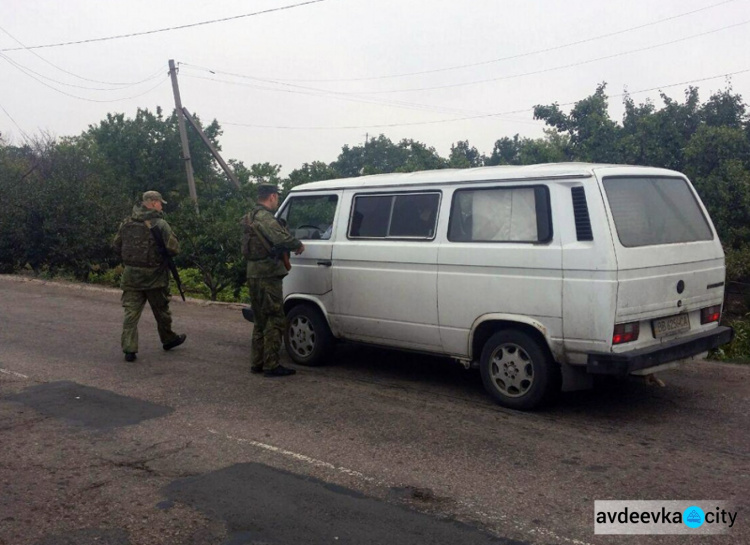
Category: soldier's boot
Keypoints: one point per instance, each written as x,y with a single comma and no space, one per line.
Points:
279,371
130,356
177,342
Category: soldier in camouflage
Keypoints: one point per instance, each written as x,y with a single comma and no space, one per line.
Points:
264,238
146,277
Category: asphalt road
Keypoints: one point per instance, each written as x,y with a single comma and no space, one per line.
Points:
187,447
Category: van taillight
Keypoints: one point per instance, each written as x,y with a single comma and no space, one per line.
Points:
625,333
711,314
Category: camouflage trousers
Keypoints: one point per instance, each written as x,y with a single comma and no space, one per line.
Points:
267,301
133,302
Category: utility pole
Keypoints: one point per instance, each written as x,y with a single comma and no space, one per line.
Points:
183,134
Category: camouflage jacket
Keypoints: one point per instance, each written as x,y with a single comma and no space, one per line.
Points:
260,263
147,278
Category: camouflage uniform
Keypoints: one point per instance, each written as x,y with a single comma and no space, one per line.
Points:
146,277
265,274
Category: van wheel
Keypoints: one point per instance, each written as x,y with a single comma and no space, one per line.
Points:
307,337
517,372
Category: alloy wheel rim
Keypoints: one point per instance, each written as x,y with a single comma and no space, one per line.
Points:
511,370
302,336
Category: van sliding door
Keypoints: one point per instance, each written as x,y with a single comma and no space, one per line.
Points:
385,270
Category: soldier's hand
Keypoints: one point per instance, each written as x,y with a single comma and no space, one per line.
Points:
299,250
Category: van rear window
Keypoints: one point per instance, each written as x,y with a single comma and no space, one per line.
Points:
655,210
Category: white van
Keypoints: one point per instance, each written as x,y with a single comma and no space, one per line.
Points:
543,275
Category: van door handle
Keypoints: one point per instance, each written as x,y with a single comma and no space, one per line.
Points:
326,263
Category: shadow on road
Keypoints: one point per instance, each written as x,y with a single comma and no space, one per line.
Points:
444,377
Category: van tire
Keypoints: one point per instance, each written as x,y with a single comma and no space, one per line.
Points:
517,372
307,337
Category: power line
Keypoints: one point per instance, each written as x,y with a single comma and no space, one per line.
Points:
21,69
552,69
368,94
484,116
167,29
331,94
26,136
122,84
518,56
311,91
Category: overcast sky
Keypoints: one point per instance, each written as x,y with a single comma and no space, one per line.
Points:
331,72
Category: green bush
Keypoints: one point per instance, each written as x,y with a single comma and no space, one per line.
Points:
193,285
738,264
739,349
106,276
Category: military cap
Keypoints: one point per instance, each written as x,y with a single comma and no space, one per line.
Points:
153,196
266,190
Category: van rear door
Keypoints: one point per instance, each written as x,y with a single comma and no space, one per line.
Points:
670,261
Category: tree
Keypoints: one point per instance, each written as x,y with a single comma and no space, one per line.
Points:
145,153
716,160
594,137
63,207
553,148
506,151
464,155
309,172
658,137
725,109
16,165
378,155
265,173
419,156
211,242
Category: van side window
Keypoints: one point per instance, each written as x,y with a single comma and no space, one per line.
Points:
414,216
371,216
512,214
310,217
408,215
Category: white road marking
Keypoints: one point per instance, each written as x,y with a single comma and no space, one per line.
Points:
297,456
9,372
542,532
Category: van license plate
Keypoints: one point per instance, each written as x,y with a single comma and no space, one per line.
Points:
671,325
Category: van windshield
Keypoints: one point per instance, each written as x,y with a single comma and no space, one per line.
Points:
653,210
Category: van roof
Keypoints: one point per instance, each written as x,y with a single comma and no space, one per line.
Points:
456,175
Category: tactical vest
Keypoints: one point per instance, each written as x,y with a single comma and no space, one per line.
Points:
139,248
252,247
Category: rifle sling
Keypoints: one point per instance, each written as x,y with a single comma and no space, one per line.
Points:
263,240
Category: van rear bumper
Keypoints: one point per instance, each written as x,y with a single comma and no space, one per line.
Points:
608,363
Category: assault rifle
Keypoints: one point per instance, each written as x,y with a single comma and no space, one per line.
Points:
160,244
